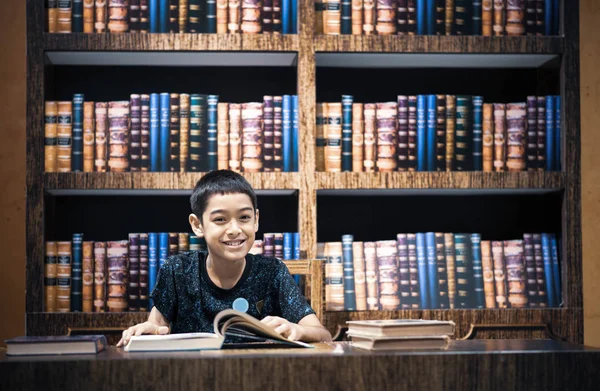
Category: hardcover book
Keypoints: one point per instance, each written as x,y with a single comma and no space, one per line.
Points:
35,346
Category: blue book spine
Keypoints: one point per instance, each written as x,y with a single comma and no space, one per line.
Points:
547,257
421,133
163,18
432,277
287,133
550,132
348,262
295,135
77,274
421,17
556,270
422,271
163,248
211,132
477,22
77,16
548,22
556,17
77,152
478,133
347,132
287,246
154,133
431,132
557,135
152,263
165,123
154,23
211,16
296,244
431,14
285,16
477,271
294,18
346,23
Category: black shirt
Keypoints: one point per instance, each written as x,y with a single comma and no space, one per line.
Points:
186,296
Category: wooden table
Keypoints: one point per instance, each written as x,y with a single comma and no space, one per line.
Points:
473,365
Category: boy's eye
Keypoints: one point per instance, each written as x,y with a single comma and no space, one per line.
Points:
245,218
219,220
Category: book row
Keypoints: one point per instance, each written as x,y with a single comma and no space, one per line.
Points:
439,133
435,270
118,276
437,17
172,16
171,132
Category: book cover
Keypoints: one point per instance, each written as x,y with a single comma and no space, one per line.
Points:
334,277
548,269
184,131
550,123
413,268
386,17
530,16
223,136
358,140
476,17
422,17
65,20
450,268
198,131
35,346
163,248
348,264
287,133
269,245
556,274
183,9
412,133
548,17
77,16
411,17
77,273
403,271
134,272
333,148
77,137
50,136
499,17
87,276
557,134
386,122
222,11
145,133
442,272
346,17
516,131
499,137
251,16
440,17
154,133
431,147
64,136
296,245
347,101
163,17
487,18
421,132
464,133
370,138
286,14
422,271
530,272
50,276
63,276
152,263
134,16
174,133
118,145
52,15
235,138
295,133
387,265
402,150
371,275
287,246
252,139
532,160
515,273
197,16
118,277
540,270
500,274
464,271
144,16
450,131
278,133
320,138
100,270
432,271
135,135
463,17
487,264
211,131
360,283
118,16
477,133
144,273
449,18
440,139
488,138
478,283
268,132
515,17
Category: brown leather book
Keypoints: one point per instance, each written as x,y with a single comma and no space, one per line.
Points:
252,140
173,243
370,136
183,16
184,242
101,16
50,136
135,135
277,17
516,125
358,137
541,132
333,137
134,272
515,273
530,272
145,15
63,276
449,19
174,133
403,271
101,142
64,136
145,131
223,136
222,13
412,133
184,131
402,151
402,16
357,17
500,274
268,132
52,15
532,122
450,268
442,270
369,17
489,286
173,25
441,133
50,276
143,292
334,277
100,271
88,16
118,282
389,284
118,16
386,136
499,17
488,137
251,21
267,16
65,19
360,283
118,147
135,13
450,131
88,137
234,10
278,133
515,17
371,275
235,137
487,18
88,276
499,136
386,17
539,271
320,138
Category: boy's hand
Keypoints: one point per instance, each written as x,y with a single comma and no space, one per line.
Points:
142,328
289,330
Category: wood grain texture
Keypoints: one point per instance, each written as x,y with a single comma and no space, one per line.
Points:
438,44
170,42
160,180
470,365
563,322
441,180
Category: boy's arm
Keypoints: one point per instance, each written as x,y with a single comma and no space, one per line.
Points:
308,329
156,324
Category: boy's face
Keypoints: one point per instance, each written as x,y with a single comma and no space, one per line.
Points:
228,225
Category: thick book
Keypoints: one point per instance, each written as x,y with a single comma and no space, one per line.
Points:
35,346
410,343
88,136
347,101
387,253
227,323
348,264
386,119
400,328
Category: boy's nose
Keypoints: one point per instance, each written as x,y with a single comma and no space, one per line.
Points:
233,229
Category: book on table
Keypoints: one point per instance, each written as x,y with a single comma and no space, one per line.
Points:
49,345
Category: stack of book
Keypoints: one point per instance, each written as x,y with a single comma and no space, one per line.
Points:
400,334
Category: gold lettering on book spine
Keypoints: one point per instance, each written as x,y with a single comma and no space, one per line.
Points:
358,125
488,137
222,136
235,137
252,124
64,136
370,136
51,276
50,136
88,276
88,137
357,17
101,15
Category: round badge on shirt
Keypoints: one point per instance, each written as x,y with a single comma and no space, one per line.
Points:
241,304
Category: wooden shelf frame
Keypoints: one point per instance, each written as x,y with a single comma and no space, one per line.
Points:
306,45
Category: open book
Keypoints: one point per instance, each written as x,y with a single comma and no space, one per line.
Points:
227,322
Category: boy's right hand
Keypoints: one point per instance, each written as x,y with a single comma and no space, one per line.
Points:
142,328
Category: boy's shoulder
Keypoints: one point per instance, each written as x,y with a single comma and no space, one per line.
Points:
184,260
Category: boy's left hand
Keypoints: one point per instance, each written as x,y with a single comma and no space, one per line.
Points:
289,330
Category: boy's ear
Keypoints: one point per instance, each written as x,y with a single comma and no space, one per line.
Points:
256,221
196,225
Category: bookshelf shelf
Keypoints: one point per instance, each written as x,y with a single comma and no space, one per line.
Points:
522,181
159,181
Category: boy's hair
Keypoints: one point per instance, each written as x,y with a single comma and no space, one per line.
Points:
219,182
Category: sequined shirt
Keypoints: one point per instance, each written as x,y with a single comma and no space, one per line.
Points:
187,297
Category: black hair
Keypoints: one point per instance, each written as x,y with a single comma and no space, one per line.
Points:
219,182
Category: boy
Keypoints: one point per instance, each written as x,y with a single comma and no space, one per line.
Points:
192,288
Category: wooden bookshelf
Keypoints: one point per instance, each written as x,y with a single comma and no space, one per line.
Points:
307,51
